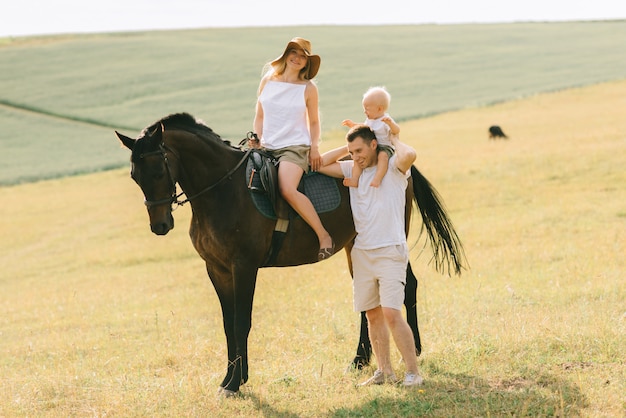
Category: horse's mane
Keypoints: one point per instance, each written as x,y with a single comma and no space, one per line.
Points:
184,122
177,121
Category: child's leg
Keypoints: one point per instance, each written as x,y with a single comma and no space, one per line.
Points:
354,180
381,168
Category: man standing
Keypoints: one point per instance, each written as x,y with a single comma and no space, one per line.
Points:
380,252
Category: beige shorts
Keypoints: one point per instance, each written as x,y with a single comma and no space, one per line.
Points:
379,277
297,154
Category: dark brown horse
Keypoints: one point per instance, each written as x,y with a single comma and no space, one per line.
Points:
234,238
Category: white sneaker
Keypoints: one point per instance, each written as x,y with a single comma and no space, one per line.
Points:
412,379
379,378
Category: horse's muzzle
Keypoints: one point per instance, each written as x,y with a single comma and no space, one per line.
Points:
162,228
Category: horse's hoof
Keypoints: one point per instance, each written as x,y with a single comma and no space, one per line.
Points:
359,363
226,393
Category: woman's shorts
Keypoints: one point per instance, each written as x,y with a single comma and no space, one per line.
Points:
296,154
379,277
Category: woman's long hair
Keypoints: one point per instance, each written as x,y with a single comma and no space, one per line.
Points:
281,65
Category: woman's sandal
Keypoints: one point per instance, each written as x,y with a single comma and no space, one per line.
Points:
326,253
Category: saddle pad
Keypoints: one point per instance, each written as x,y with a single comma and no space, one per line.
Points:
320,189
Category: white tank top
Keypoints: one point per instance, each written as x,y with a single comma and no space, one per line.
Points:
284,115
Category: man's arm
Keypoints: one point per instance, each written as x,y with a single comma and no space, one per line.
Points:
330,165
332,170
405,155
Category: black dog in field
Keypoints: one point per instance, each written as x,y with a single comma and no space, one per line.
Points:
495,132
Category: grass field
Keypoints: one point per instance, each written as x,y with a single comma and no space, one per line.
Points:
61,97
102,318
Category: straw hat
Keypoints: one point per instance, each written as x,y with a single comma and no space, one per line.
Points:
302,44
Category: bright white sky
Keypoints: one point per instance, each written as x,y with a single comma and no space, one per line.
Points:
33,17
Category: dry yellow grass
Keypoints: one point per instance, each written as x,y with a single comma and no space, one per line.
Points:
100,317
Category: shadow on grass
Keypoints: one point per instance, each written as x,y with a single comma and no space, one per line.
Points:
461,395
265,409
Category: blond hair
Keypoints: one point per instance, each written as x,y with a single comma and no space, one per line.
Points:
278,66
380,95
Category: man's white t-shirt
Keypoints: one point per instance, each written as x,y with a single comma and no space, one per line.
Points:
378,212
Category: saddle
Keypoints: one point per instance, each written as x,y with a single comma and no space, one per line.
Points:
262,174
262,181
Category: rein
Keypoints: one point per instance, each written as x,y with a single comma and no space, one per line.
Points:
173,199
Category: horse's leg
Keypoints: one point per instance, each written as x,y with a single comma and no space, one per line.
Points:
235,292
225,293
364,350
410,289
410,303
245,283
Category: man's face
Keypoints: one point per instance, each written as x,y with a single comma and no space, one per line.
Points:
363,154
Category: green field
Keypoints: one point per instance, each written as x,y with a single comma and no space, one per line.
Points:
102,318
61,97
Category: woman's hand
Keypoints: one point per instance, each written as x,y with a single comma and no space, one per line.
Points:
253,140
254,143
315,159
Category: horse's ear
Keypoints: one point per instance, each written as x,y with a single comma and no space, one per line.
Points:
128,142
157,132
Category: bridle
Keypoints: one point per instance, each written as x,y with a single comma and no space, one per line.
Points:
173,199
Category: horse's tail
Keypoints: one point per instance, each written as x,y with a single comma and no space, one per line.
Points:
447,248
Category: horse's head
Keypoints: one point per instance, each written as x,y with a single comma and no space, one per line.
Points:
154,170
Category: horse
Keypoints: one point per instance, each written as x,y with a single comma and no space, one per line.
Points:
234,238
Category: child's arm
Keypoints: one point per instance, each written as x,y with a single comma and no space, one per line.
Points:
393,126
348,122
